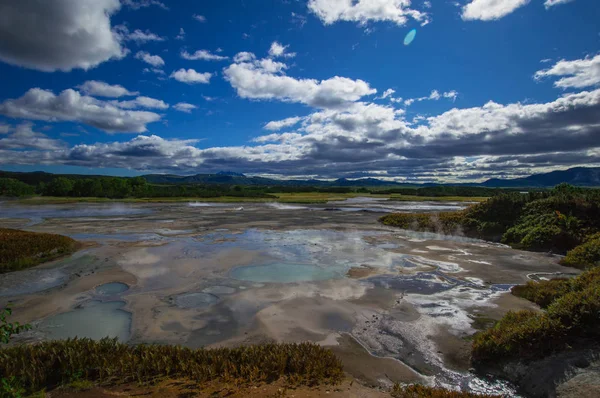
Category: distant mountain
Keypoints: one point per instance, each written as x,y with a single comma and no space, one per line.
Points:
580,176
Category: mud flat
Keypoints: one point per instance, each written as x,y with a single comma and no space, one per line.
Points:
396,306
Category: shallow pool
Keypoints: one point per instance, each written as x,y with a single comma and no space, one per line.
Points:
93,319
285,273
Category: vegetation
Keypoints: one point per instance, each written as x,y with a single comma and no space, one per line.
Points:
22,249
572,319
8,329
557,220
49,364
586,255
419,391
9,187
543,293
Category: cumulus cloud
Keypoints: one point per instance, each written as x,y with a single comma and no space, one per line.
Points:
203,55
103,89
190,76
387,93
279,50
23,137
552,3
363,11
579,73
199,18
365,139
265,79
70,105
279,124
59,35
489,10
142,102
185,107
153,60
181,35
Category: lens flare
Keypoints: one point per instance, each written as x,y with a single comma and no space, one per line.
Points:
410,36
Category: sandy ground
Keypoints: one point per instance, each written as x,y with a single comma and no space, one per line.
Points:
400,307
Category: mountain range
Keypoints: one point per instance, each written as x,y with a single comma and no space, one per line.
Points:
578,176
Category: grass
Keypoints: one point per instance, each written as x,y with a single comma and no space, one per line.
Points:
55,363
23,249
419,391
572,319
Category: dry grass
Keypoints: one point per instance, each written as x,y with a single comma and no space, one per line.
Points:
23,249
54,363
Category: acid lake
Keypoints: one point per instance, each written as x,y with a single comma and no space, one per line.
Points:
202,274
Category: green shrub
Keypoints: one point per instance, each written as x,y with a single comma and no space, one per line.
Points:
586,255
521,334
445,222
53,363
572,316
22,249
419,391
543,293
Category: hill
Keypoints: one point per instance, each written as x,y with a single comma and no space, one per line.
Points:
578,176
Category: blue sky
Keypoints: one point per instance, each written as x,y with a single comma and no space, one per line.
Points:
307,88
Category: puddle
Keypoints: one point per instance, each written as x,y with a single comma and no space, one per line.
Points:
219,290
284,273
422,283
111,289
195,300
93,319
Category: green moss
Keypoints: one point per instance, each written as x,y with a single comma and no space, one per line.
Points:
23,249
54,363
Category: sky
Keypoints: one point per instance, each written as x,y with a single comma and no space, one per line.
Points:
300,88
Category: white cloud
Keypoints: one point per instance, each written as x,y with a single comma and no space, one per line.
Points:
264,79
137,35
58,35
142,102
199,18
154,70
489,10
23,137
552,3
70,105
4,128
203,55
279,50
185,107
579,73
363,11
153,60
137,4
190,76
102,89
433,96
181,35
244,57
279,124
387,93
451,94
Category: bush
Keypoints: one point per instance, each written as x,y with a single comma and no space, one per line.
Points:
571,317
49,364
543,293
22,249
419,391
445,222
586,255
